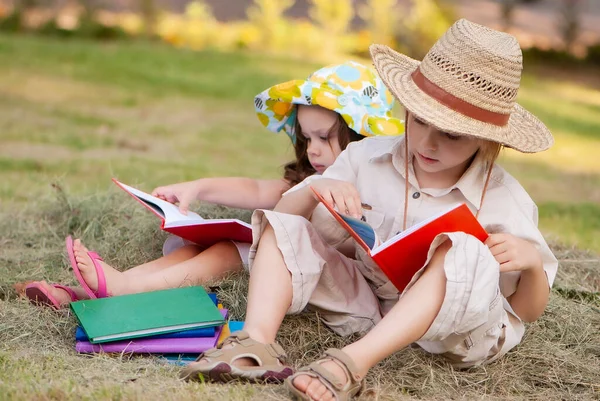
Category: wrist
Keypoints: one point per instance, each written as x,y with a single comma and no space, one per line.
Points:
536,267
200,188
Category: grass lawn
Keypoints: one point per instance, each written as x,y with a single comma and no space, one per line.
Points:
73,114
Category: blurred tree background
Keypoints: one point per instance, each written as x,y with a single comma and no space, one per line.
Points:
321,29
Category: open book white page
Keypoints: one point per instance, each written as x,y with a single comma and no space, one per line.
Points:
169,211
411,230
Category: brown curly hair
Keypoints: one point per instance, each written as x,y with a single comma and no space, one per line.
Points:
296,171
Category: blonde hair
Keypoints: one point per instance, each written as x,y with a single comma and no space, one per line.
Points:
490,151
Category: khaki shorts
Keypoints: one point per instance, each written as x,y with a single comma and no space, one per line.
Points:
472,326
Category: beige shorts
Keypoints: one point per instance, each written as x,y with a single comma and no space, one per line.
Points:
472,326
174,242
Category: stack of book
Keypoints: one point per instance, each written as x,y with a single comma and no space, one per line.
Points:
180,322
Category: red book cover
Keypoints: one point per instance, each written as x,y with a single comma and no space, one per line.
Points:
204,232
401,256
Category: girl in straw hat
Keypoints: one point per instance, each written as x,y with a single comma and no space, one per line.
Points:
334,106
470,300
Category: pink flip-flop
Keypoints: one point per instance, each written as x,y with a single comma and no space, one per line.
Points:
39,295
101,292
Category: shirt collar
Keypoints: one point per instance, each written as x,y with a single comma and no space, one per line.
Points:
472,181
384,152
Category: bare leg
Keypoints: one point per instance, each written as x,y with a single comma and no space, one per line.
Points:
269,292
212,263
269,295
177,256
416,310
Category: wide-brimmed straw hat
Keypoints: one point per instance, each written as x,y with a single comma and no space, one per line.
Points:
350,89
466,84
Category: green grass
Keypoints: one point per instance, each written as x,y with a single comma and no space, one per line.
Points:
573,223
82,112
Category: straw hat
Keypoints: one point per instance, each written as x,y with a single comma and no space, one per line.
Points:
350,89
466,84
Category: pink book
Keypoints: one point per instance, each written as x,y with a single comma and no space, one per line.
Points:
154,345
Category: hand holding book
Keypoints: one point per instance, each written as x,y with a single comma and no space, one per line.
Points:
183,193
402,255
514,253
340,194
190,226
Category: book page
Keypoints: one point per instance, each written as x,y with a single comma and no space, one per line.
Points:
158,330
164,209
362,228
410,230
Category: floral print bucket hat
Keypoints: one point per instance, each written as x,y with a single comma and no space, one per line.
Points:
350,89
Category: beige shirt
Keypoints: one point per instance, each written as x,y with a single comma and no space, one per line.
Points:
376,168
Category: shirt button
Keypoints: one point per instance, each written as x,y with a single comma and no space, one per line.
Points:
416,195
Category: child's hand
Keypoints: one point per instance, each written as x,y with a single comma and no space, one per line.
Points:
513,253
183,193
341,194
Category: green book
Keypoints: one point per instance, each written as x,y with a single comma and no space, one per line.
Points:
145,314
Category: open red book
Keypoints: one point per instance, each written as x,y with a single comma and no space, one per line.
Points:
204,232
401,256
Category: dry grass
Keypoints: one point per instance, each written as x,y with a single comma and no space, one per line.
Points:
558,359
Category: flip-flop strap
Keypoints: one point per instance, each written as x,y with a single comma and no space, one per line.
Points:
101,291
69,243
68,290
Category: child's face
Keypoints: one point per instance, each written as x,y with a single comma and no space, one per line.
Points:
441,155
322,145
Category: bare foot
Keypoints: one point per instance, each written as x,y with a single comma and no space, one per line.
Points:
115,281
62,296
20,287
314,388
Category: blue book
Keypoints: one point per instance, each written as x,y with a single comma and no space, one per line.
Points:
184,359
194,333
235,325
179,359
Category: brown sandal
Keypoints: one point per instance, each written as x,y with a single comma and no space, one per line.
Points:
218,362
341,392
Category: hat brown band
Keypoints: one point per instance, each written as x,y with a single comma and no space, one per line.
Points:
456,104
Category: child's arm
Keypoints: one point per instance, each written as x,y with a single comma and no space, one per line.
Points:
239,192
337,193
516,254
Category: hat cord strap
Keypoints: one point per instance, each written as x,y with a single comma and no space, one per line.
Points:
405,171
485,186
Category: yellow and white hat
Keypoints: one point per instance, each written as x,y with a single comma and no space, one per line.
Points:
350,89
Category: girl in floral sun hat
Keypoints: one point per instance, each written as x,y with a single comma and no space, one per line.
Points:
470,299
352,91
336,105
